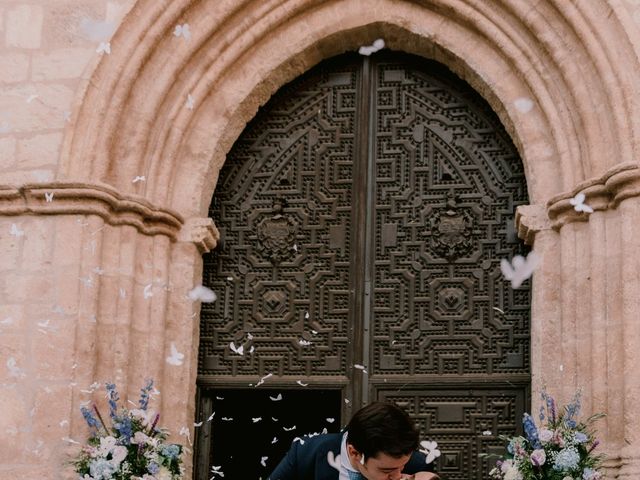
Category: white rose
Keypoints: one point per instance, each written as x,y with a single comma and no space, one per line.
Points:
545,435
164,474
512,474
118,454
140,438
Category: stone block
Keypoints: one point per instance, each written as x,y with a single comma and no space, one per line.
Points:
18,287
52,348
12,319
7,152
37,250
35,106
14,366
61,63
15,67
19,177
24,26
39,151
50,413
10,245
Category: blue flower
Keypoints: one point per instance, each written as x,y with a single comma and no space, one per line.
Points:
101,469
567,459
88,416
171,451
112,395
144,395
531,431
153,468
581,437
125,428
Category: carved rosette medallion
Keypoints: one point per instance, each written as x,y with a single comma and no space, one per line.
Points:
277,237
450,233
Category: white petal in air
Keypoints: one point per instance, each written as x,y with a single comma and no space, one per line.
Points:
15,231
182,31
276,398
239,350
520,268
579,205
148,291
263,461
48,196
138,178
261,381
203,294
176,357
369,49
104,47
190,102
523,104
299,382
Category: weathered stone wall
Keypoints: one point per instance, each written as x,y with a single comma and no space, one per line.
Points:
95,262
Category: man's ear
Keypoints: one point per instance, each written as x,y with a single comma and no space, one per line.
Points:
354,454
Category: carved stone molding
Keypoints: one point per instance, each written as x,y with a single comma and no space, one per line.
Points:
607,191
202,232
531,219
78,198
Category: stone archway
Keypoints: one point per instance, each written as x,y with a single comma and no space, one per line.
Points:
544,69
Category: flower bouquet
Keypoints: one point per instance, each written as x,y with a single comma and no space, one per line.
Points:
132,447
560,449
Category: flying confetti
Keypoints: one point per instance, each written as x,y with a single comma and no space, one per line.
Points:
579,205
203,294
176,357
182,31
369,49
520,269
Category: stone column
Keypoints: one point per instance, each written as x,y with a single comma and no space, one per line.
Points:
586,298
96,291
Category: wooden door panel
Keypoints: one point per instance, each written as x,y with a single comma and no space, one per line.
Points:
363,214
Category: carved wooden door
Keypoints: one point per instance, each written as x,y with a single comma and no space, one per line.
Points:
363,214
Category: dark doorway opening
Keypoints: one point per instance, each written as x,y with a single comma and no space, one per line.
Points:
254,428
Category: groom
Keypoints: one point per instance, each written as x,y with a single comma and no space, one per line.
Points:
379,443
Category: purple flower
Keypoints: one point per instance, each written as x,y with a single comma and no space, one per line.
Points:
538,457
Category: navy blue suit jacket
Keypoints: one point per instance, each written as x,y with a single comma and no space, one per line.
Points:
308,461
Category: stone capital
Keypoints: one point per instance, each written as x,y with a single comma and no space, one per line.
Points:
531,219
200,231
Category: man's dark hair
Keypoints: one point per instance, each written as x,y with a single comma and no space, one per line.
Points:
382,427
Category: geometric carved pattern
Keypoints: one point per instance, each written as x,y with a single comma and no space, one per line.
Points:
448,181
416,172
283,207
465,421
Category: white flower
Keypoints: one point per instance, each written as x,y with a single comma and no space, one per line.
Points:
545,435
513,474
106,445
163,474
140,438
118,454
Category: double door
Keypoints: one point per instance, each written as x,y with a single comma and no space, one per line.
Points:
363,215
